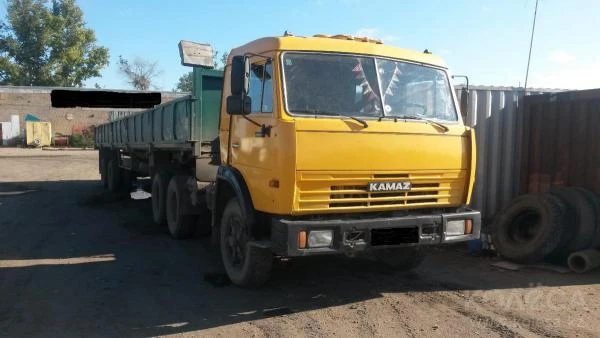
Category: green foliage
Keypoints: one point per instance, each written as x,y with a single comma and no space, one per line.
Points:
83,140
47,44
139,73
184,84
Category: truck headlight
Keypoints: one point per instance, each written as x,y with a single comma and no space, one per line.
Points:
455,227
320,238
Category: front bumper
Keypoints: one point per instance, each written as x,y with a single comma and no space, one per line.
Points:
362,234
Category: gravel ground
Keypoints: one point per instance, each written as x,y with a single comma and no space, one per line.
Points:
75,261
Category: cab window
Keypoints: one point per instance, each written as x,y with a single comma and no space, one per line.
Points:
260,88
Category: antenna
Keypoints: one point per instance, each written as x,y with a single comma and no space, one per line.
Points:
530,47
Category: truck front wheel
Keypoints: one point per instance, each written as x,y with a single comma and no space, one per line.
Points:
246,265
400,259
181,225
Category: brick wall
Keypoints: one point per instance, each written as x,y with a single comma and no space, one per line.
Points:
36,101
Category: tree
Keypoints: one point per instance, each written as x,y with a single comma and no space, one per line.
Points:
184,84
140,73
48,45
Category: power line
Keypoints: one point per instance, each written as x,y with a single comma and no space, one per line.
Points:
530,47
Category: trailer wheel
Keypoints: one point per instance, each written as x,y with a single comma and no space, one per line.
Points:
160,184
246,266
400,259
180,225
113,176
529,228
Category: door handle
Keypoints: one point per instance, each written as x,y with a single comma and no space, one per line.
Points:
235,145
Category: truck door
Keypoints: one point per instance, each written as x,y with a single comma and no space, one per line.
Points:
251,141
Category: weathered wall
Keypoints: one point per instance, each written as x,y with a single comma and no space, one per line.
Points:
36,101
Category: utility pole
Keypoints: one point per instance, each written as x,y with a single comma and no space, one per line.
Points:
530,47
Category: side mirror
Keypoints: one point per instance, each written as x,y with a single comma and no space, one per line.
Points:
240,74
464,103
239,105
464,98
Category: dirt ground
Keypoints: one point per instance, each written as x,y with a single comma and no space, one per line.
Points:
75,261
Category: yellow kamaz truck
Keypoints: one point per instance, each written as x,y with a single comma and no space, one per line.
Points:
306,146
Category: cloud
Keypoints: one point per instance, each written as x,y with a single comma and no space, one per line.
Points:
577,76
376,34
561,57
365,31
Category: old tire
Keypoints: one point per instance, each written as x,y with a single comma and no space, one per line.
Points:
581,223
113,176
400,259
594,201
179,223
160,183
246,266
529,228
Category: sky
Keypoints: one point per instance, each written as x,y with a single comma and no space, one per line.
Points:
488,40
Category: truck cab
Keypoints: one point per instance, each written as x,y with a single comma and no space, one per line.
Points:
336,144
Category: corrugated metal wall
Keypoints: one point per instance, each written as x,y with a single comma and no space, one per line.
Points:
494,112
562,143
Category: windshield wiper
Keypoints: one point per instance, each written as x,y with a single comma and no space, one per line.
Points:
328,113
420,118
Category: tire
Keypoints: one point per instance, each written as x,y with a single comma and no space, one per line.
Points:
160,183
529,228
180,225
581,222
594,201
246,266
113,176
400,259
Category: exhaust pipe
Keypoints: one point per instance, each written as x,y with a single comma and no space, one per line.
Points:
585,260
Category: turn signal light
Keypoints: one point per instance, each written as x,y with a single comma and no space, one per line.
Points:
468,226
302,240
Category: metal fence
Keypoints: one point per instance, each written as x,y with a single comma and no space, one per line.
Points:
561,147
495,113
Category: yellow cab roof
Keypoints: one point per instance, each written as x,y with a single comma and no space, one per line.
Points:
337,43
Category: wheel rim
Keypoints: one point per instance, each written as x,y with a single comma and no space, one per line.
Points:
236,240
525,227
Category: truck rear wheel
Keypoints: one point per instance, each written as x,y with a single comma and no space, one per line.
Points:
400,259
180,224
246,265
160,183
113,176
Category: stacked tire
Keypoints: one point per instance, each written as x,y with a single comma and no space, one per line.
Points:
551,226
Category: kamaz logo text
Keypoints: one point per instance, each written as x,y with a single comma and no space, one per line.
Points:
389,186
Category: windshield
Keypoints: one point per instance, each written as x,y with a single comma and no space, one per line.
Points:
364,86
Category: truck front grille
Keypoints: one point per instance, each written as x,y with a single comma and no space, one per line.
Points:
349,191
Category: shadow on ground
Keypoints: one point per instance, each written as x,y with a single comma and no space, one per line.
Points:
75,259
